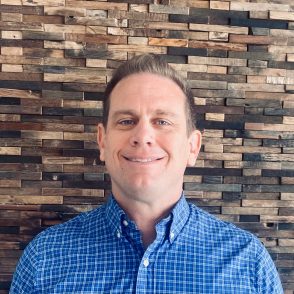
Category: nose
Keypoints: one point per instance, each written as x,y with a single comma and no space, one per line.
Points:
142,134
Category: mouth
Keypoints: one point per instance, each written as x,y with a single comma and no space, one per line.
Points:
143,160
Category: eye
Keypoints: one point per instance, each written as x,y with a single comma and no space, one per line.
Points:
162,122
126,122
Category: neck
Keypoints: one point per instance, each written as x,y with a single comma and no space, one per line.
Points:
146,218
146,215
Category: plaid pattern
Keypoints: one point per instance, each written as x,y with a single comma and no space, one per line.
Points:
101,252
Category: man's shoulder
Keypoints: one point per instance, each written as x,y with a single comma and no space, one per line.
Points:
211,225
85,223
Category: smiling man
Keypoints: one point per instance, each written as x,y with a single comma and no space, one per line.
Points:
146,145
146,238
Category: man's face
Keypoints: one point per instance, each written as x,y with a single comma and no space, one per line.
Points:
145,145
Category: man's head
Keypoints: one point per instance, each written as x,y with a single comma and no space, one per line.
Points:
148,138
149,63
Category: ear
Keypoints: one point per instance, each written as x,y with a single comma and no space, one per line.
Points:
195,145
101,140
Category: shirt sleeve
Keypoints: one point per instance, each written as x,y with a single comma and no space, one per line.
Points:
24,277
267,277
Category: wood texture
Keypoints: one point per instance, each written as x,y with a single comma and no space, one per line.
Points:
56,58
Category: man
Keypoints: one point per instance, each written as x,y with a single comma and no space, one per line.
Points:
146,238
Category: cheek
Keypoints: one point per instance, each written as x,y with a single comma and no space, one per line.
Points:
112,150
183,151
177,150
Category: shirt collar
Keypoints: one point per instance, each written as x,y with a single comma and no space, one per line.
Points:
179,215
176,219
114,215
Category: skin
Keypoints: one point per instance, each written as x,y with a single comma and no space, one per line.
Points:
146,147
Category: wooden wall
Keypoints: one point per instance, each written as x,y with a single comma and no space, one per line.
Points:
57,55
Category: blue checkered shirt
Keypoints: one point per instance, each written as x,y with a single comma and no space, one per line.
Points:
102,252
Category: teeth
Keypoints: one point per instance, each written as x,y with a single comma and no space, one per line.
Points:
140,160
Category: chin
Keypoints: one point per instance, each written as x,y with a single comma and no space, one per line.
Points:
143,188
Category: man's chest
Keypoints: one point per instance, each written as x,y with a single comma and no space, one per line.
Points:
122,270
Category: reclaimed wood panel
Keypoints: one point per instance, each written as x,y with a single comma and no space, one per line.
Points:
56,58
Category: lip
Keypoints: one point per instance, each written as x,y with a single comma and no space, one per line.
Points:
143,160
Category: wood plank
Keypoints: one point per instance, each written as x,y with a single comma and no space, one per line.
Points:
284,15
97,5
217,45
220,5
270,127
243,6
20,26
63,28
216,61
19,93
250,211
64,11
12,68
62,160
170,9
44,2
17,35
43,19
82,77
137,48
19,60
250,39
256,87
219,28
31,200
167,42
14,17
10,150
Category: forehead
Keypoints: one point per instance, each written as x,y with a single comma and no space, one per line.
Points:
147,90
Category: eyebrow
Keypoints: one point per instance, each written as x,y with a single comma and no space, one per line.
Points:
133,113
122,112
165,113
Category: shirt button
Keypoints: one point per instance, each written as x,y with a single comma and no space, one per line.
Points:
172,235
125,223
146,262
118,234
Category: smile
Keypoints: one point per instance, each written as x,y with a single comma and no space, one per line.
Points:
141,160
